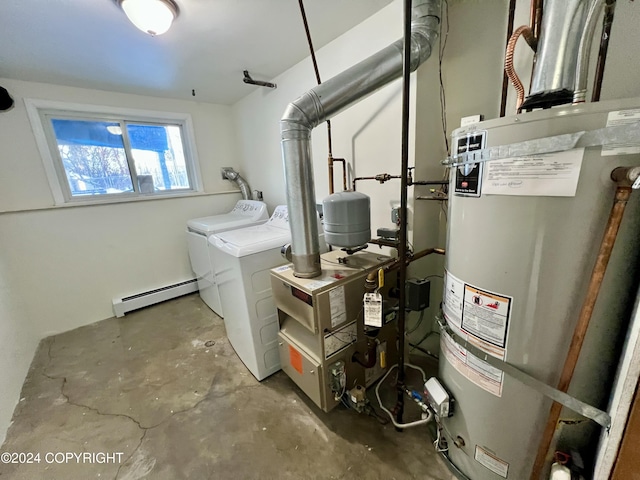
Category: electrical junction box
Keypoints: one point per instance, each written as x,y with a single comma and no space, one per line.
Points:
471,120
395,215
438,398
388,233
418,291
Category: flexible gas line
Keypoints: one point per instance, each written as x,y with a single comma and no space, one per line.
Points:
423,421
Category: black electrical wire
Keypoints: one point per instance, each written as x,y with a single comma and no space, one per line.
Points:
418,323
426,335
443,102
423,350
372,412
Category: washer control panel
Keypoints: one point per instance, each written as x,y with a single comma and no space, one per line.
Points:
251,208
280,217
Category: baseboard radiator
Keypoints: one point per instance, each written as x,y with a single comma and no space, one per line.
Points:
144,299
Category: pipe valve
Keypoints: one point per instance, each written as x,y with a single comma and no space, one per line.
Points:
627,177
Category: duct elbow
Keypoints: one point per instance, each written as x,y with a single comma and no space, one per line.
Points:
424,35
302,115
229,173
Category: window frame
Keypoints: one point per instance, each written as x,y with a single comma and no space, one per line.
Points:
40,113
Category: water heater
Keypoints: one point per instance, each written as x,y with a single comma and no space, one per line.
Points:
522,239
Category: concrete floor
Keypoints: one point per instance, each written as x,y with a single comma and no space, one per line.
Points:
163,390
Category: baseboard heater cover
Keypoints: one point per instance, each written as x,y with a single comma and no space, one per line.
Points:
144,299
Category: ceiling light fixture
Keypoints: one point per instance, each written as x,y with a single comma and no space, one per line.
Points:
114,129
151,16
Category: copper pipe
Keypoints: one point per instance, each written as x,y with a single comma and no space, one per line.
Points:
424,253
385,177
625,176
509,69
623,192
353,182
433,197
344,172
531,35
607,21
381,177
535,19
505,79
394,263
330,165
330,158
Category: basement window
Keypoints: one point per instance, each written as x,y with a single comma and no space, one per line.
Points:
97,155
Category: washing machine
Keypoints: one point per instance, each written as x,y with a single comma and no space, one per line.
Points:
243,260
245,213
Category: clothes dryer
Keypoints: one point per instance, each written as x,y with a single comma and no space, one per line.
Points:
243,260
245,213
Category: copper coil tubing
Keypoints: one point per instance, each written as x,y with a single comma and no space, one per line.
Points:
526,32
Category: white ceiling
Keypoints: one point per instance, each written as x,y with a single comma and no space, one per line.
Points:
91,44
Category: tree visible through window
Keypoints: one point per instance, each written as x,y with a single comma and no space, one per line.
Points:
120,157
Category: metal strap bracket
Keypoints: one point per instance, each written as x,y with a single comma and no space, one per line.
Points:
619,134
600,417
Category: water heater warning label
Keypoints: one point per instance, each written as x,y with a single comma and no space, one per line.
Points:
493,463
471,367
486,315
478,315
481,317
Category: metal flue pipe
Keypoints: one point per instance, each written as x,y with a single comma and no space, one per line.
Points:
229,173
327,100
584,50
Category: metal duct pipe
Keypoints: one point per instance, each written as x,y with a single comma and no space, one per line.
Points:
229,173
584,49
327,100
553,78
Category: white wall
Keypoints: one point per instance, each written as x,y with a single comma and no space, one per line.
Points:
70,262
23,184
61,266
367,134
18,342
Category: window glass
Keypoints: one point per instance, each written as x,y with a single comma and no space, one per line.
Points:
119,157
158,157
93,157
